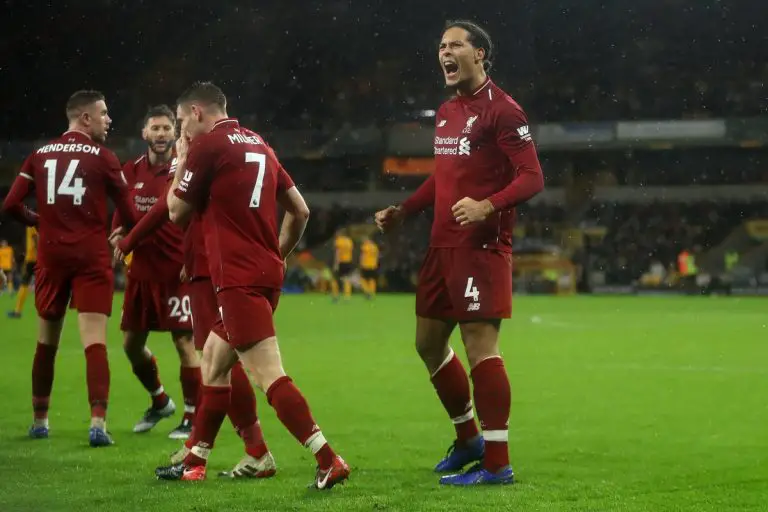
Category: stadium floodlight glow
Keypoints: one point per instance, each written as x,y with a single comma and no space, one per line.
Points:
428,113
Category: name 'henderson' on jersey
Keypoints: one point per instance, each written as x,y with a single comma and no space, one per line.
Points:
233,177
72,177
483,150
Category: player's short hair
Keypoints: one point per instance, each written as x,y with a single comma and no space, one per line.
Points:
159,111
81,99
478,37
205,93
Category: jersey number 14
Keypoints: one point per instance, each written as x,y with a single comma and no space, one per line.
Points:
70,186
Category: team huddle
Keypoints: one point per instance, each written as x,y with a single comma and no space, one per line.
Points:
197,216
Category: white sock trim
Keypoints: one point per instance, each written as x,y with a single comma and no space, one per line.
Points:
485,359
189,409
159,391
497,436
442,365
469,415
315,442
201,452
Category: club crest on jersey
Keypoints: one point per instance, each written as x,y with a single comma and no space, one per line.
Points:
470,122
525,133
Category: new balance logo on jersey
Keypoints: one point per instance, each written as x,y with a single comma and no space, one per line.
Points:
464,146
525,133
473,306
441,123
139,185
470,122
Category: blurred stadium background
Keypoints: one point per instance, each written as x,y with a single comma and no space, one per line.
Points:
650,121
649,152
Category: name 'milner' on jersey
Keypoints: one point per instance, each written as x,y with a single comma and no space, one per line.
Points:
483,150
232,177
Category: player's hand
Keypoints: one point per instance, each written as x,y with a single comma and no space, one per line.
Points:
182,146
468,211
183,277
389,218
118,256
3,280
117,235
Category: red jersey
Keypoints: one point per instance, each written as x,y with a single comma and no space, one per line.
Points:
195,257
72,177
233,178
483,150
157,256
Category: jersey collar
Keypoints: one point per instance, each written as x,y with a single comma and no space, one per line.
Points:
229,122
478,93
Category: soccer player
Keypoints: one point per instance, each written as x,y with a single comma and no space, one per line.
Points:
342,265
234,180
155,298
7,260
369,266
72,177
257,462
30,258
485,165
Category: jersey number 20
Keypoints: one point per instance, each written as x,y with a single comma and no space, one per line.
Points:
261,160
70,186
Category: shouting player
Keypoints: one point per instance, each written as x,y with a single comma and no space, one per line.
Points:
485,165
155,298
72,177
257,462
233,179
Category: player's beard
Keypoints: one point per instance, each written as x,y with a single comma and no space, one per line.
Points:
168,147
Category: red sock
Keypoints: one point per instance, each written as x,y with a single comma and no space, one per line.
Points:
210,415
242,413
42,379
492,400
452,386
146,371
97,376
191,380
293,412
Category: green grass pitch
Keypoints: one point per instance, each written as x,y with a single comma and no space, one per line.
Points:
618,404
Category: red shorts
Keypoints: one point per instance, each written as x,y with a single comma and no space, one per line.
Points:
205,309
88,290
463,284
155,306
246,314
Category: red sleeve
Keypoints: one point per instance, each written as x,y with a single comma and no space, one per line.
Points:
284,180
14,202
196,178
149,223
513,136
423,198
117,220
117,188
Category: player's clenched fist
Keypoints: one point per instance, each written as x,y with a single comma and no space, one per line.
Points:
182,146
388,218
468,211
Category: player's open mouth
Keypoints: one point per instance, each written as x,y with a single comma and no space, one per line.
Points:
451,69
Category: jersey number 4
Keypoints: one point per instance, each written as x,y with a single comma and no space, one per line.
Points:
70,186
472,291
261,160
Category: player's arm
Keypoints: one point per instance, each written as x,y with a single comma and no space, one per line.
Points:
22,186
117,189
189,181
513,137
296,213
149,223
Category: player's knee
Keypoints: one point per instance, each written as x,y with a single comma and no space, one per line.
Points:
93,328
217,361
263,361
481,340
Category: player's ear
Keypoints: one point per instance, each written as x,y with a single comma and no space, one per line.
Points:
479,54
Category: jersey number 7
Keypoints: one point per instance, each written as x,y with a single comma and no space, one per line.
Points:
261,160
